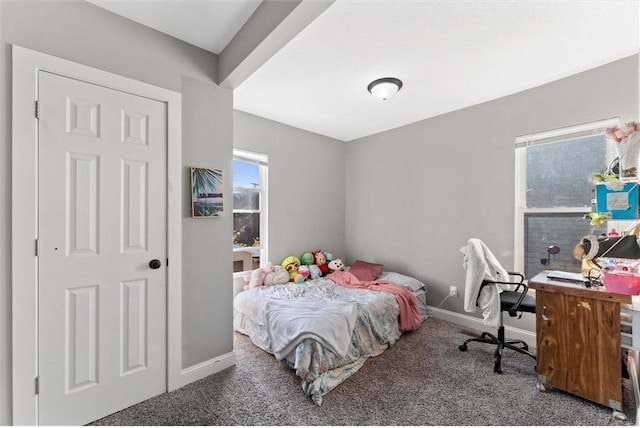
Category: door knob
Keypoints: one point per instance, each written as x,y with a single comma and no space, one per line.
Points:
155,264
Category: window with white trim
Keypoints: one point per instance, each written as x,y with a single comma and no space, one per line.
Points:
249,210
553,193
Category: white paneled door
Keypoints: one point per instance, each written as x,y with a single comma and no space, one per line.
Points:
102,250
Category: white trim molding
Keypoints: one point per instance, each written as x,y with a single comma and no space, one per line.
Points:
207,368
553,136
477,324
26,65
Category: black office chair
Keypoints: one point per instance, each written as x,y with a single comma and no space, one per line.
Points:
514,302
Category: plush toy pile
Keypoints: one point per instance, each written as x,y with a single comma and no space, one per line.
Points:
310,265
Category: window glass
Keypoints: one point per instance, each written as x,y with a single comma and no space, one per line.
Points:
563,230
557,173
245,175
246,229
554,195
249,191
246,199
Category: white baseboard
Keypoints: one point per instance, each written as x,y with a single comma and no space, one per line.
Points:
206,368
476,324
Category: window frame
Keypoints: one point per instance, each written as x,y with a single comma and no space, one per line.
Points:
262,160
549,137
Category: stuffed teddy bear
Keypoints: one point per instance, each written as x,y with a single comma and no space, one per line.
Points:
304,271
257,276
588,267
306,259
335,265
292,264
314,272
278,275
320,259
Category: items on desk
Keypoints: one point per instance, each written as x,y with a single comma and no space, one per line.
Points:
559,275
575,278
622,282
623,247
591,250
621,276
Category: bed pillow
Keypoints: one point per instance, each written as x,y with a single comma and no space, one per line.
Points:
366,271
409,282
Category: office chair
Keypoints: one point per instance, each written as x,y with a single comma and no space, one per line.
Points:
513,302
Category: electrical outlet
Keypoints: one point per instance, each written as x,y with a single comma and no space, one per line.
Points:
453,291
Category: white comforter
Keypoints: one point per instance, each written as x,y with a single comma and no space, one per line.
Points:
289,322
321,369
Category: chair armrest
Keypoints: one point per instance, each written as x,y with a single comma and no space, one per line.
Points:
512,311
518,274
520,284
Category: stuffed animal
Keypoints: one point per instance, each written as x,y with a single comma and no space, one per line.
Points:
278,275
320,259
335,265
314,272
306,259
588,267
328,256
291,264
258,275
304,271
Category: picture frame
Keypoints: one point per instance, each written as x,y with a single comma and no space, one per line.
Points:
206,192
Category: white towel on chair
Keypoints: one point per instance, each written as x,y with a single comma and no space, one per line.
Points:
481,264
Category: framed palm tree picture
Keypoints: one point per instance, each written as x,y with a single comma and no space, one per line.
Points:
206,192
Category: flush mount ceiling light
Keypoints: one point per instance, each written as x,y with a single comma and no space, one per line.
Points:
384,88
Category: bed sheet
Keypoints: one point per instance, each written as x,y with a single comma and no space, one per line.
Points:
376,329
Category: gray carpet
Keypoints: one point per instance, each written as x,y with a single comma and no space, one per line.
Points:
423,380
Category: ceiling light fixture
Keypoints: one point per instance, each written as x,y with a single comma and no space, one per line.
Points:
384,88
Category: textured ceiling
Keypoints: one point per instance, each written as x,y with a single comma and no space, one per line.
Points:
449,54
208,24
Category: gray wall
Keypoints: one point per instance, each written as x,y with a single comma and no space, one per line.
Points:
306,186
207,316
416,194
5,229
410,198
81,32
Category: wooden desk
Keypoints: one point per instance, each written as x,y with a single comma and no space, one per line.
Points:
578,339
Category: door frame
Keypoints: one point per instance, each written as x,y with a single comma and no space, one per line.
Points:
24,217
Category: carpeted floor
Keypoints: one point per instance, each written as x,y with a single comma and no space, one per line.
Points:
423,380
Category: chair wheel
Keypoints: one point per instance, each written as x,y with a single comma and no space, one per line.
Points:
463,348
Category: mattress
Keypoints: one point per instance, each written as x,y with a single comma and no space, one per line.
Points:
376,327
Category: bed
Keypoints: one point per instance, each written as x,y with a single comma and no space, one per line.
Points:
324,364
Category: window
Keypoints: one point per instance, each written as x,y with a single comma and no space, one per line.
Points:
553,193
249,210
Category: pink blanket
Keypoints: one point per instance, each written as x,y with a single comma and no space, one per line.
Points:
409,318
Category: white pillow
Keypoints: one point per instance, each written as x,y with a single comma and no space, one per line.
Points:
405,281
